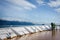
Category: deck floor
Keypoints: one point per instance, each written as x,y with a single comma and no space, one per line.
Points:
45,35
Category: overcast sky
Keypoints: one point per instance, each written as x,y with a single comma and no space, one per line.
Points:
36,11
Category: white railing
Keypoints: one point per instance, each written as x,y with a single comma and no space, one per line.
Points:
14,31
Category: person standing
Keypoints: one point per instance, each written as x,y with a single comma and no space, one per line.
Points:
52,26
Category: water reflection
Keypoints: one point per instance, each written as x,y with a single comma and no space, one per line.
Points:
53,34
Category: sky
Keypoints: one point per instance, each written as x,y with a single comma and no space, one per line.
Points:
35,11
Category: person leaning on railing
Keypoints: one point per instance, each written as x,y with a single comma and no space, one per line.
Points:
52,26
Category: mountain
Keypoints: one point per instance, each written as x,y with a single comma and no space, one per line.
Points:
7,22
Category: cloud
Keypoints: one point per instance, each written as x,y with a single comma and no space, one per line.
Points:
40,1
22,3
58,10
15,8
54,3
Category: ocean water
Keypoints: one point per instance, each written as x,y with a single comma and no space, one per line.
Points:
4,26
